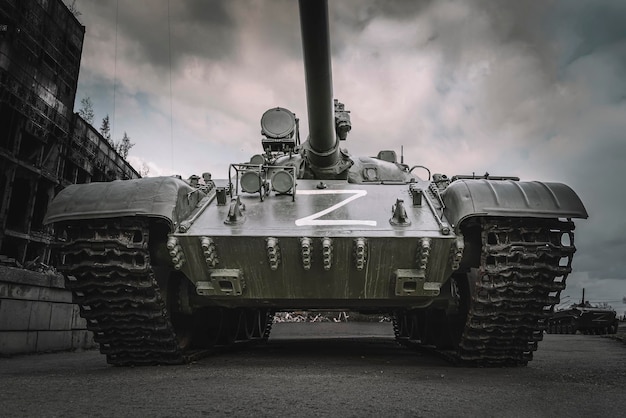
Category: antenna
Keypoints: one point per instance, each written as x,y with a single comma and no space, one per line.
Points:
401,154
117,8
169,40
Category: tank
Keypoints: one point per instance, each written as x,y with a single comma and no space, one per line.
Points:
165,270
583,317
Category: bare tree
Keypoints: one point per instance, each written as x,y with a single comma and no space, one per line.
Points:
145,170
105,129
86,109
124,145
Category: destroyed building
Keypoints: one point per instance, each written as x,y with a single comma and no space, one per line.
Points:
44,145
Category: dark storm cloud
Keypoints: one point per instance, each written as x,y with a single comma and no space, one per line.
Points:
557,32
511,21
358,13
205,13
560,32
589,27
194,28
197,29
209,29
397,9
202,28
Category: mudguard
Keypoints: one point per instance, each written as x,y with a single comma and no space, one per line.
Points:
481,197
162,197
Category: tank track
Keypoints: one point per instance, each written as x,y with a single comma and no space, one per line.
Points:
107,267
269,318
523,267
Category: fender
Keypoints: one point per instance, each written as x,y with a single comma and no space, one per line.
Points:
480,197
160,197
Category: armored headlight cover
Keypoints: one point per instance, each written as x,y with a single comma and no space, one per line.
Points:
251,181
282,181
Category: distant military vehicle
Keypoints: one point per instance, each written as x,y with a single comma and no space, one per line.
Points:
469,266
583,317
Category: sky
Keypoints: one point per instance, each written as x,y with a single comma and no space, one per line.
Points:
534,89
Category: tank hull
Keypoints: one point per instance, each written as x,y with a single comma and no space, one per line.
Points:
212,271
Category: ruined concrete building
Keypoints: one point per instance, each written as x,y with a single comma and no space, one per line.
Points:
44,145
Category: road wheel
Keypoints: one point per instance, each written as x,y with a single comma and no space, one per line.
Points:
246,324
230,327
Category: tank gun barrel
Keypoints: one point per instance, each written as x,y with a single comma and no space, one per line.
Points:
323,145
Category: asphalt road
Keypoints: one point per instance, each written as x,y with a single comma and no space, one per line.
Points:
302,371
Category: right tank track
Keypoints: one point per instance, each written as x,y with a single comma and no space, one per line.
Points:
523,267
107,267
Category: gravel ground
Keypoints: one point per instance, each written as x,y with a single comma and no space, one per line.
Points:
324,369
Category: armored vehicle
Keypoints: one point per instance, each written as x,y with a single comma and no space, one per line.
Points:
164,269
583,317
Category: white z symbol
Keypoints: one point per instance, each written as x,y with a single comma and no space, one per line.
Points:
313,219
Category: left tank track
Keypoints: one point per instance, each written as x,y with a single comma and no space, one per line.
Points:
107,268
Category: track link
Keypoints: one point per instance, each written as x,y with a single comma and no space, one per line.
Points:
523,267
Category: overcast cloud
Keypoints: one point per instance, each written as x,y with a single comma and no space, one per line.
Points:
534,89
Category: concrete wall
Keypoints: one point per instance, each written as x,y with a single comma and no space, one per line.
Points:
37,314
